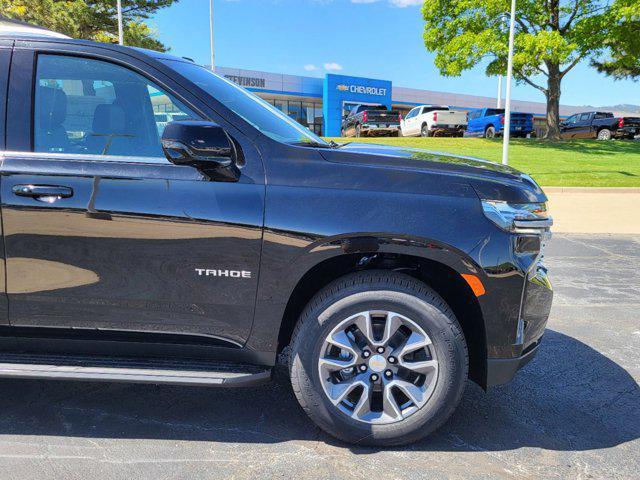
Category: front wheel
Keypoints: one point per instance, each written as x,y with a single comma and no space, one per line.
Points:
604,134
378,358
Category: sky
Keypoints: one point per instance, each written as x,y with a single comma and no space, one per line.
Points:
368,38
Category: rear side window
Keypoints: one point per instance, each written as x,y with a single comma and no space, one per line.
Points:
86,106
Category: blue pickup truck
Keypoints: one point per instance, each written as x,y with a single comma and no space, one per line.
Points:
489,123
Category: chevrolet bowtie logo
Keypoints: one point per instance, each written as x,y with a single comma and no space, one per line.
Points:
343,88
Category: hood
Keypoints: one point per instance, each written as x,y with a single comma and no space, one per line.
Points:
490,180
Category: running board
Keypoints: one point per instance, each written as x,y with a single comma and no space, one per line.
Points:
132,370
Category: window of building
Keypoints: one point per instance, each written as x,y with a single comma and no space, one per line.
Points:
308,114
85,106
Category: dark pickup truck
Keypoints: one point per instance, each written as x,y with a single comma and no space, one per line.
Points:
198,254
367,120
600,125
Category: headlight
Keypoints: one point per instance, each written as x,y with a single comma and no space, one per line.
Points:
518,217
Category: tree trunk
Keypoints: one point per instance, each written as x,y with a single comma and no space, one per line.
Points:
553,102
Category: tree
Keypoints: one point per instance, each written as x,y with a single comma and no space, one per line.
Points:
90,19
623,61
551,38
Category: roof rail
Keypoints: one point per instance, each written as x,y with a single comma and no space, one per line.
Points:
9,26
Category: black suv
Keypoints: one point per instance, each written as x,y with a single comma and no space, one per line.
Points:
199,255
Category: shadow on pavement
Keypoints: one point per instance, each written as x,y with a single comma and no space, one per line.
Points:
569,398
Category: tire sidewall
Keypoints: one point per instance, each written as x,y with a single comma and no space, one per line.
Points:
604,134
452,367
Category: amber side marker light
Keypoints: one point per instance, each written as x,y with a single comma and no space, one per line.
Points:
475,284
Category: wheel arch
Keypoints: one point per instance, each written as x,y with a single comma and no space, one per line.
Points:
442,277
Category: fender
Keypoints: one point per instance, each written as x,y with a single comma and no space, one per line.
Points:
279,280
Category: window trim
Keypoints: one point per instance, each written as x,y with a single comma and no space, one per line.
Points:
86,157
5,61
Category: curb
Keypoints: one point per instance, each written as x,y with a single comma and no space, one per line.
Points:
635,190
594,210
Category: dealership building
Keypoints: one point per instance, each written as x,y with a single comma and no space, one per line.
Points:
320,103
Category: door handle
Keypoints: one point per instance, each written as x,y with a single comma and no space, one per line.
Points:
43,193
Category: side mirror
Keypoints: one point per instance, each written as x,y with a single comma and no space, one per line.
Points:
203,145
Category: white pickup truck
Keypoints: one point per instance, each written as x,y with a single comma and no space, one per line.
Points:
433,120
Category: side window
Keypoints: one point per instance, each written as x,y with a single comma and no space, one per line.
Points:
85,106
572,119
585,117
411,114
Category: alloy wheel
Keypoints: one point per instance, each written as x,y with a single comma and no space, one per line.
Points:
378,367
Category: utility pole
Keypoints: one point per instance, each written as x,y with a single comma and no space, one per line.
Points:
120,27
507,103
213,55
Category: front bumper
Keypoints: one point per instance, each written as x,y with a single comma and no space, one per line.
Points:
534,313
502,370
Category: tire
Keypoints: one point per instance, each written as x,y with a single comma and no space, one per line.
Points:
424,131
604,134
490,132
358,132
400,296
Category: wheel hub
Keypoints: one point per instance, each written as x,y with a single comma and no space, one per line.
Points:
377,363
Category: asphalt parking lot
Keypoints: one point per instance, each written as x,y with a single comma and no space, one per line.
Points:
574,412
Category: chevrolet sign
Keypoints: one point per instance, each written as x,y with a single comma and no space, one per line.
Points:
362,90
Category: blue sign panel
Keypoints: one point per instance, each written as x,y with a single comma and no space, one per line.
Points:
339,89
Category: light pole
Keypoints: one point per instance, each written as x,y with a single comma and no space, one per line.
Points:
120,28
499,97
213,56
507,100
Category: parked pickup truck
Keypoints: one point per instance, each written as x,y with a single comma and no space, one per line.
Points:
432,120
489,123
600,125
197,255
367,120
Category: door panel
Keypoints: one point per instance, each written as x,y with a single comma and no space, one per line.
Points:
122,252
134,243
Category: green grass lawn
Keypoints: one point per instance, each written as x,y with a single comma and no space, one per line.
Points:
570,163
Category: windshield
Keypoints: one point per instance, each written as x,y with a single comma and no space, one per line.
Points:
263,116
